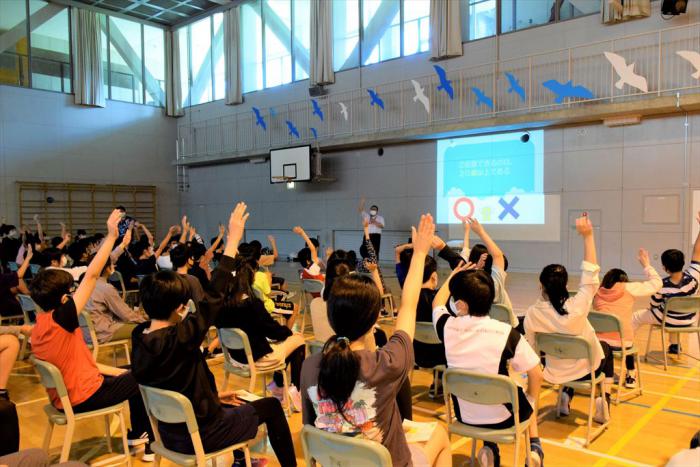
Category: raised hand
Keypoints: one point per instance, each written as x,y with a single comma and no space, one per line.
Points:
476,226
482,261
466,225
438,243
422,237
298,230
584,227
174,230
370,265
643,257
236,223
113,223
222,230
127,238
183,222
30,252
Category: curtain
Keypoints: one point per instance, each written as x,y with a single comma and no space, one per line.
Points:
232,56
321,55
445,29
88,84
173,88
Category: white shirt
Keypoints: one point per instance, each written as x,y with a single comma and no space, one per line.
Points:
76,272
542,317
483,345
373,221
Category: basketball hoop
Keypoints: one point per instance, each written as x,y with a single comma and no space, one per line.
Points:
282,179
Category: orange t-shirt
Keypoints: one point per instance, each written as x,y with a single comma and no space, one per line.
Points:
58,339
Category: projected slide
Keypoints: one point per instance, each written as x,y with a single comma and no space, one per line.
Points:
495,178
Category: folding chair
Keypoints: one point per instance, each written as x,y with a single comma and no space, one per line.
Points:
172,407
309,286
331,449
51,379
502,313
28,306
236,339
574,347
681,305
425,333
485,389
389,305
12,266
131,297
90,337
34,269
606,322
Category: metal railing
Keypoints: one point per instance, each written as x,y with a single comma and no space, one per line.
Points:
653,53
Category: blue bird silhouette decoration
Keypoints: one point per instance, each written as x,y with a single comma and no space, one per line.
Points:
445,84
375,99
564,90
259,120
515,86
317,109
292,129
482,98
313,132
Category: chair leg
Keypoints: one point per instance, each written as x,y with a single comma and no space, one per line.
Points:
646,354
663,348
223,388
126,352
527,447
156,462
108,434
251,386
47,437
556,408
246,453
67,441
639,372
516,450
286,403
125,441
623,376
473,459
591,411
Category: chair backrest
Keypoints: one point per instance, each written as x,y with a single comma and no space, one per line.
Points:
605,322
235,339
425,333
312,285
480,388
34,268
564,346
319,320
502,313
116,276
14,267
51,378
572,293
331,449
89,333
682,305
28,306
169,407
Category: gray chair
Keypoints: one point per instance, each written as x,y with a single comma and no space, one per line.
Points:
564,346
503,314
51,379
309,287
425,333
480,388
606,322
172,407
677,304
88,328
332,449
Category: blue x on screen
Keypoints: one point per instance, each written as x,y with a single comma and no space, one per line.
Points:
495,178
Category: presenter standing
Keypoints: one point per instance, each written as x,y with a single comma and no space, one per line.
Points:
376,224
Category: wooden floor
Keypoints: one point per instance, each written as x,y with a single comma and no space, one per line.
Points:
645,430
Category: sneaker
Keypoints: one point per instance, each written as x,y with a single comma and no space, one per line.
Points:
276,391
148,455
290,295
536,456
600,411
673,349
431,391
564,404
134,439
294,398
630,382
487,457
254,462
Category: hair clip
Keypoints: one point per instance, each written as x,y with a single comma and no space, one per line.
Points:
341,338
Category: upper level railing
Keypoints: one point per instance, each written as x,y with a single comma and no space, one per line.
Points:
654,55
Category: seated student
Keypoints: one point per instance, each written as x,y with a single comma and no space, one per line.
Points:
10,243
112,317
308,258
12,283
556,312
616,296
57,339
182,261
475,342
350,389
428,355
262,285
59,260
9,349
166,355
269,340
402,255
678,283
202,257
162,254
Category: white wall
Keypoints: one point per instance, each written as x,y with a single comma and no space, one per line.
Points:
45,137
606,171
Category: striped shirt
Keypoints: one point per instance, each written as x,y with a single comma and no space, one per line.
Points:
687,286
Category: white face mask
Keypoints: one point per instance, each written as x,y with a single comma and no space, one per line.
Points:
64,261
13,234
373,212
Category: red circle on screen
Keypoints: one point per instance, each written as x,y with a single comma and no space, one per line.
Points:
455,208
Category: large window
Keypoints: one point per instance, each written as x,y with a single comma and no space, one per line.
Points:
301,38
277,15
14,60
478,19
252,46
519,14
218,57
416,26
50,41
133,61
381,30
346,35
201,79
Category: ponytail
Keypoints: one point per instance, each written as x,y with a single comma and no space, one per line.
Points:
339,370
554,279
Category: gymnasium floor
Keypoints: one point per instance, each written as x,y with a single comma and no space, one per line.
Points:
645,430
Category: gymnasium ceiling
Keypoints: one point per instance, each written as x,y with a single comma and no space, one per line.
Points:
166,12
